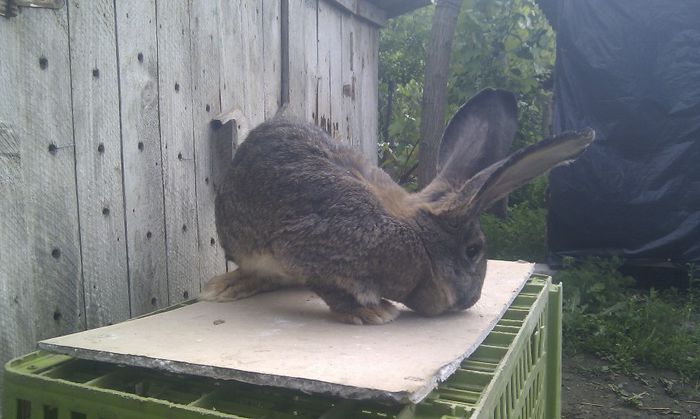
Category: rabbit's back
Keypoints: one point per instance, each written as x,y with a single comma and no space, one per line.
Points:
294,193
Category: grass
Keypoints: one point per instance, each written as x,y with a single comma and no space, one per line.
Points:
607,313
519,236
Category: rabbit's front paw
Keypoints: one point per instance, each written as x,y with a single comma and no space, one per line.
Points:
381,313
230,286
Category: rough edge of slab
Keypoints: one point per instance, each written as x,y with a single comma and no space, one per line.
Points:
448,369
305,385
178,367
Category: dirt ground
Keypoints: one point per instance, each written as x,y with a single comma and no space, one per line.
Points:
593,388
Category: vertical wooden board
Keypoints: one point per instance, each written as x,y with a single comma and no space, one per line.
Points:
368,98
253,70
359,53
336,71
36,83
141,152
358,57
17,334
93,53
348,121
17,304
177,148
325,44
206,50
303,39
272,56
373,96
234,92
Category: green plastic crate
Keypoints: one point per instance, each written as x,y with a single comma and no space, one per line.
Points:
515,373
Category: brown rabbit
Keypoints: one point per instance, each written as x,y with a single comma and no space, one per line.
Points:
297,207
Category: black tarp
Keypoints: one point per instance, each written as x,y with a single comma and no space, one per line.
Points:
630,69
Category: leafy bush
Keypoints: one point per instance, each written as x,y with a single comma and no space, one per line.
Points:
519,236
594,285
399,157
506,44
522,234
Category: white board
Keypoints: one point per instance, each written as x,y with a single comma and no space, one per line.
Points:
289,339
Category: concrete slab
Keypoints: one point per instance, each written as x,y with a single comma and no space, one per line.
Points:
288,339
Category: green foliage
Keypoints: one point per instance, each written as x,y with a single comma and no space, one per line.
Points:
522,234
398,157
402,47
402,55
594,285
506,44
534,194
519,236
605,315
498,43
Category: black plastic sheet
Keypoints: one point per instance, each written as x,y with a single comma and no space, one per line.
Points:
631,70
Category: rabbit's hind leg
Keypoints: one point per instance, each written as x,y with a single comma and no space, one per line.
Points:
239,284
375,314
347,309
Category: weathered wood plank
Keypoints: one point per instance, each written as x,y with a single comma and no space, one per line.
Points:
363,9
368,47
251,43
336,74
371,13
335,36
40,275
349,5
98,161
39,88
206,51
325,29
272,56
141,150
17,332
177,148
303,64
358,64
348,121
234,92
398,7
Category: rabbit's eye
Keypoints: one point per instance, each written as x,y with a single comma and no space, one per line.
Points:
473,251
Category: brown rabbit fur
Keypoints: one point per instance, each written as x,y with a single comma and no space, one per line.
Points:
296,207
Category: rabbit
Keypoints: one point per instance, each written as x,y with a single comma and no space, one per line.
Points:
297,207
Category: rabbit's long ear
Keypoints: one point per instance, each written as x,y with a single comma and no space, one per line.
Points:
499,179
478,135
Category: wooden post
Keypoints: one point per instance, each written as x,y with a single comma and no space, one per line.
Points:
435,87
